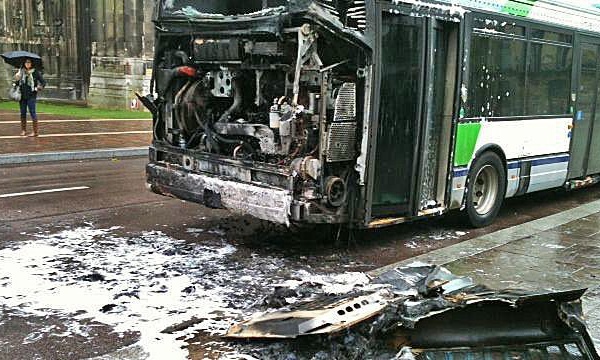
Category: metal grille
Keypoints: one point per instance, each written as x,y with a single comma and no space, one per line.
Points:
357,15
355,12
345,104
341,142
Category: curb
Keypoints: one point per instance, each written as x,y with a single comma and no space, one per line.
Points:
487,242
15,159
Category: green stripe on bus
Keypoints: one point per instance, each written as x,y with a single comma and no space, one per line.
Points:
518,8
466,139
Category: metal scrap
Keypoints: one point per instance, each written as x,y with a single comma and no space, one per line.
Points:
422,308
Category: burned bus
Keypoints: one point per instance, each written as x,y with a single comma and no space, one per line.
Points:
372,112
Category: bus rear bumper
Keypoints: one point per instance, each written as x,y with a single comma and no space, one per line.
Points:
263,202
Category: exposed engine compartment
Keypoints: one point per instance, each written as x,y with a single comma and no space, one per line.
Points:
292,100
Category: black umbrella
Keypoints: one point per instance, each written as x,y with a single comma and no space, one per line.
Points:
17,58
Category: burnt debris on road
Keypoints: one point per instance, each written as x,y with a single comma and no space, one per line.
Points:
429,313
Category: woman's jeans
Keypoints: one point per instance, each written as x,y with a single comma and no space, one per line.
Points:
28,104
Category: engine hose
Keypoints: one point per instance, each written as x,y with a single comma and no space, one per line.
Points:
215,138
168,91
225,140
242,145
219,139
183,56
197,133
235,151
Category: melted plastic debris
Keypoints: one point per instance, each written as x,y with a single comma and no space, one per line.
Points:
191,12
165,289
329,284
413,296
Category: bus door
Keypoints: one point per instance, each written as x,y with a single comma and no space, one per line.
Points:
585,144
413,104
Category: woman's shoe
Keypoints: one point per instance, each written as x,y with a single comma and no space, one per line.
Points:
23,127
35,132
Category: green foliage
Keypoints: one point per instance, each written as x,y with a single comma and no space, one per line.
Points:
77,111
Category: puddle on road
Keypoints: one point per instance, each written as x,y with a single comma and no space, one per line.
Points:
149,283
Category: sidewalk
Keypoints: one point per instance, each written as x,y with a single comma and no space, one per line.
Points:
558,252
64,138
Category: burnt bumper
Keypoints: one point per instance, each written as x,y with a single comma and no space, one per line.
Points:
264,202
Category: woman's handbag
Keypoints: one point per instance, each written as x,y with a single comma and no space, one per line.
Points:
14,93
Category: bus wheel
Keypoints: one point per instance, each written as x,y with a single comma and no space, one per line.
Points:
486,189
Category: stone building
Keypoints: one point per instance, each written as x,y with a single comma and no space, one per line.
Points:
99,51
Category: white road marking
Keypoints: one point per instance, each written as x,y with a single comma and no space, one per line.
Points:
43,191
81,134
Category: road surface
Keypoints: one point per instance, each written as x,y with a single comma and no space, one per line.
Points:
92,264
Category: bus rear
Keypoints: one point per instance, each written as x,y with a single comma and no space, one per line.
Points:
260,106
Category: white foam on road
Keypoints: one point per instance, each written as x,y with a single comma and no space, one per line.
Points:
143,284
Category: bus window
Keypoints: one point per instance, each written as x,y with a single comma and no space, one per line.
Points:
549,79
497,77
552,36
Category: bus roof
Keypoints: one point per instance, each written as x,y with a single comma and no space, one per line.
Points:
578,14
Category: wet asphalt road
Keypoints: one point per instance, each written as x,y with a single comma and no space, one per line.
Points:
111,205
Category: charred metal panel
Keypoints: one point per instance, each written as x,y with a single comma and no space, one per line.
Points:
217,50
319,317
213,165
430,310
263,202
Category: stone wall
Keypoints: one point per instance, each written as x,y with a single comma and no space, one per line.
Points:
95,50
122,38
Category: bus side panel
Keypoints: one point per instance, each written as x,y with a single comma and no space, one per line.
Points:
536,152
527,138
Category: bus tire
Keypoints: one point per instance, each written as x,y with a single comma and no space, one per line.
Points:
485,190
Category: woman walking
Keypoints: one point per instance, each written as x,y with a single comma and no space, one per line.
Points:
30,82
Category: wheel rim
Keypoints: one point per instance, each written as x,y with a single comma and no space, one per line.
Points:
485,189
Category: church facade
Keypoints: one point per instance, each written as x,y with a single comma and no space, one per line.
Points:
97,51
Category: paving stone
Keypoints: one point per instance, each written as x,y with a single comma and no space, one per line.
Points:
58,135
584,227
559,252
